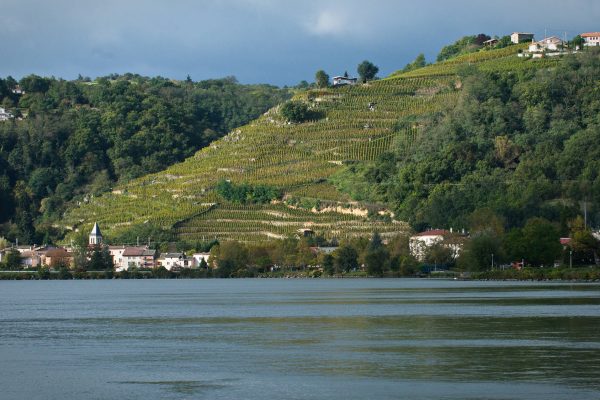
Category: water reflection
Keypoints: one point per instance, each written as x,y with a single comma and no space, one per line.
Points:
303,339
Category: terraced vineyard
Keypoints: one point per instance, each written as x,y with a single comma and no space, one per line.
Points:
358,124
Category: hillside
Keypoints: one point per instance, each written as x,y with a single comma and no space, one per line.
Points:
518,144
65,140
298,159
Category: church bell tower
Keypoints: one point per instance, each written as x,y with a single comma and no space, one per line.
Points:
95,235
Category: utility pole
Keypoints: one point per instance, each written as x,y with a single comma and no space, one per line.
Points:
492,260
570,259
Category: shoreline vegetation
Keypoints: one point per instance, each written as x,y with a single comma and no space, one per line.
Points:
583,274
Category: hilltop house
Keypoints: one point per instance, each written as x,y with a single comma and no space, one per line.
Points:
591,38
421,242
18,90
551,43
520,37
343,80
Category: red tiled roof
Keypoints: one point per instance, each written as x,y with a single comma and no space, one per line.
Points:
434,232
134,251
57,253
590,34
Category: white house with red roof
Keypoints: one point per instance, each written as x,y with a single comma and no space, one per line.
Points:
591,38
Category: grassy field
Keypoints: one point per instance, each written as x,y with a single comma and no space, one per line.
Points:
297,158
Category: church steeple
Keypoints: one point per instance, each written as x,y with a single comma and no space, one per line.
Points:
95,235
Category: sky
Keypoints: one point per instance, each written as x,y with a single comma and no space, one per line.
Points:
279,42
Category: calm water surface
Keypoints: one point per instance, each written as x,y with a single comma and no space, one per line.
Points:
299,339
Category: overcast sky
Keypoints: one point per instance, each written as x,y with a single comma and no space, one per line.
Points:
259,41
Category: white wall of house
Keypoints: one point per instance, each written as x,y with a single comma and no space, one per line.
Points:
419,244
117,256
520,37
592,40
174,262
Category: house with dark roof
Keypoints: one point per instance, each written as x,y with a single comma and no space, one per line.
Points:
136,257
344,80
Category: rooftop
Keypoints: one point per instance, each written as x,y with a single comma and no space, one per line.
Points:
137,252
433,232
96,230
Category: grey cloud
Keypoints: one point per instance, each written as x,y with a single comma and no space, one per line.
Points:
280,42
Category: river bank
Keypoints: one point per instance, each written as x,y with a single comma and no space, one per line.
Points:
584,274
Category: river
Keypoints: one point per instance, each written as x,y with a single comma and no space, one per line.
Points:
299,339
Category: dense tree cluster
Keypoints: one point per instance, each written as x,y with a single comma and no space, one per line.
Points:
418,62
77,138
235,259
245,193
522,144
297,112
471,44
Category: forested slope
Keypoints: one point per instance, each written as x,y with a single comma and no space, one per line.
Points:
368,157
71,140
521,143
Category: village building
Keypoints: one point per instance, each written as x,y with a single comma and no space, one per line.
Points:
58,257
591,38
491,42
30,259
421,242
174,261
136,257
116,252
343,80
520,37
